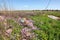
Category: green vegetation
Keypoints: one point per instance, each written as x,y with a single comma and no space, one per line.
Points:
49,28
55,13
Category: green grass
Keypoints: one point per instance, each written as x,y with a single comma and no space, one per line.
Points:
16,28
55,13
49,28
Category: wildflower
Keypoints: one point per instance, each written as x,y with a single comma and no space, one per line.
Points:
23,39
1,18
8,31
25,32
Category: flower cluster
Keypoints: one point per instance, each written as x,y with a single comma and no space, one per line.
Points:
26,33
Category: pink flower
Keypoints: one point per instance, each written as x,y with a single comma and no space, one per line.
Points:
9,31
23,39
25,32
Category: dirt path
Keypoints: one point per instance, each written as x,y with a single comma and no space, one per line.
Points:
53,17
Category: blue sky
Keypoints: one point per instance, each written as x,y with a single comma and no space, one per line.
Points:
31,4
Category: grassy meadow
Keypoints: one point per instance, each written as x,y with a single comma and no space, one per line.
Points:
49,29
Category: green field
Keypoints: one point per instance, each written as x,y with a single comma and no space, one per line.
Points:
49,29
